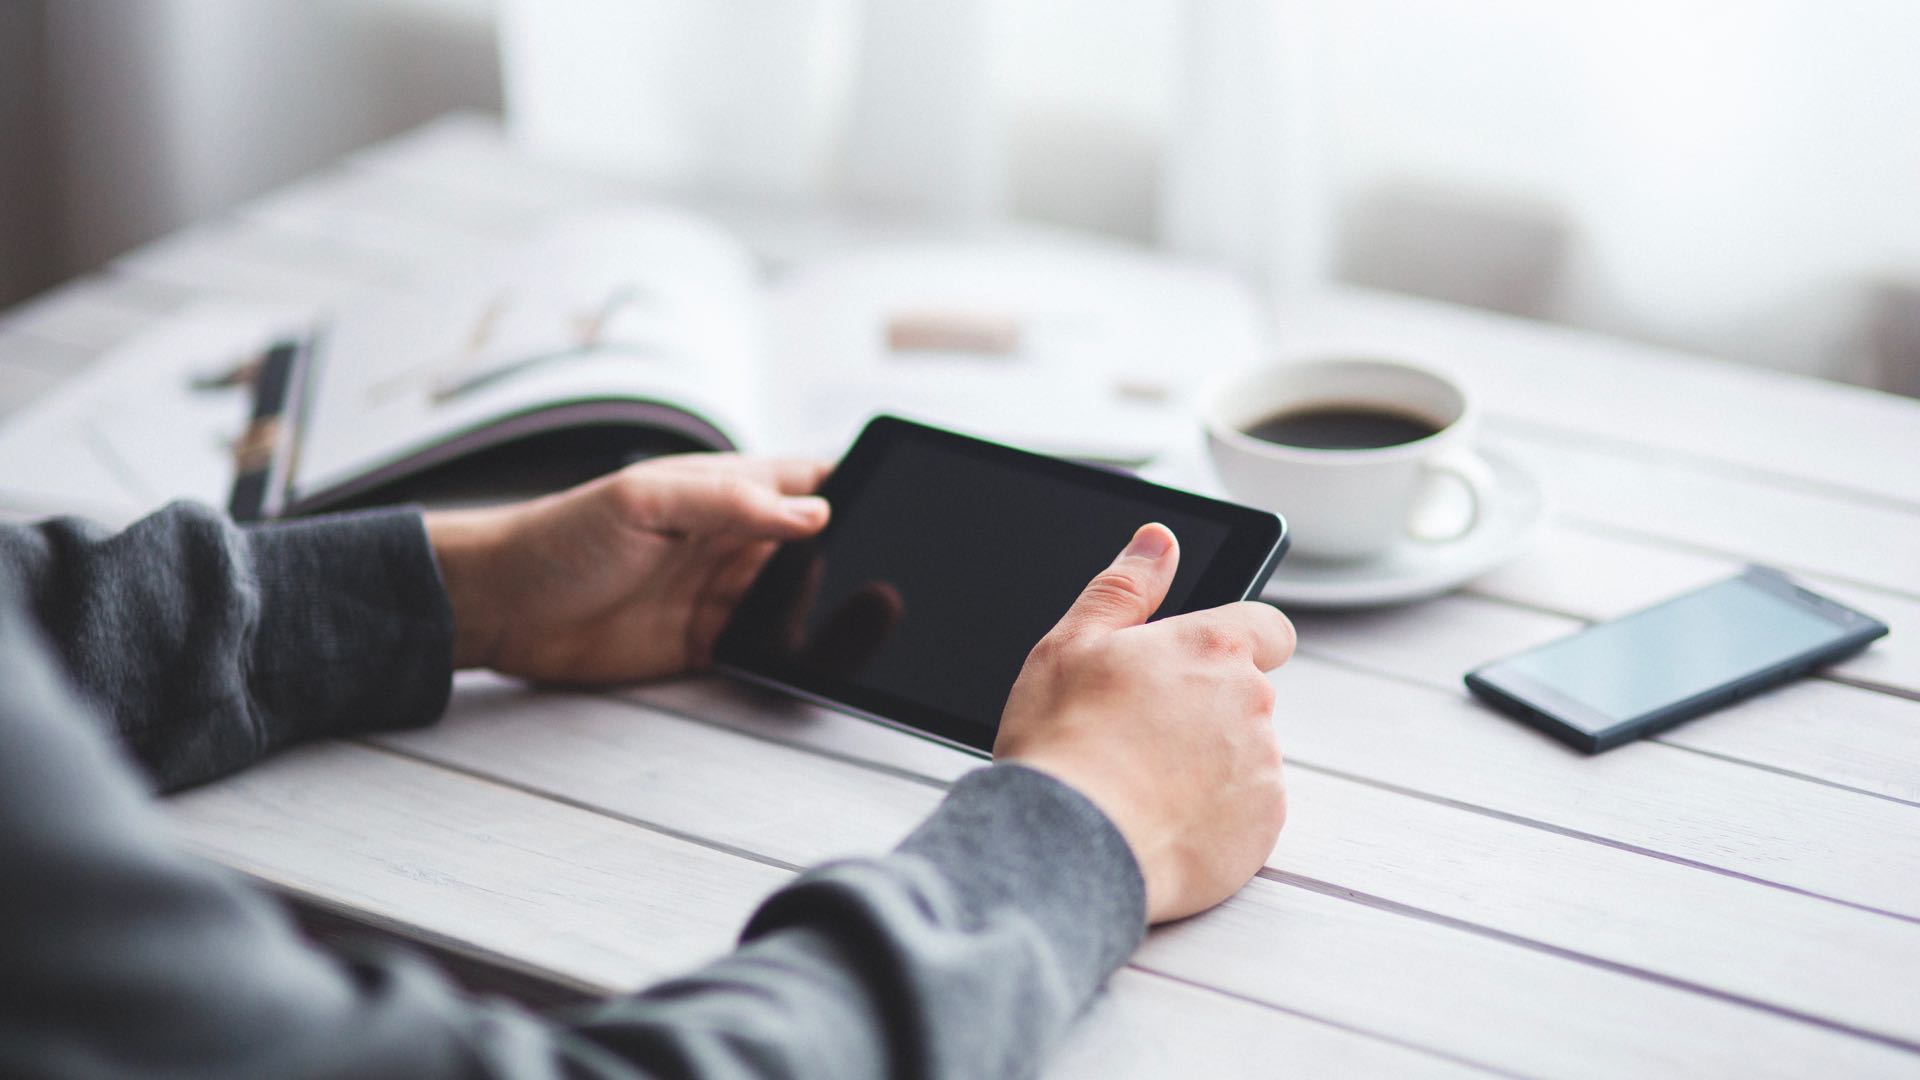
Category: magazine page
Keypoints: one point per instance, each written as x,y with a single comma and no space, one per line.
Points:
601,311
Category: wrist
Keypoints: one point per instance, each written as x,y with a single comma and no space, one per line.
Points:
1110,795
465,543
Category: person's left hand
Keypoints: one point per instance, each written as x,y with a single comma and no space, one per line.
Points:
627,577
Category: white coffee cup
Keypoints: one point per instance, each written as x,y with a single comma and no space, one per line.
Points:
1348,503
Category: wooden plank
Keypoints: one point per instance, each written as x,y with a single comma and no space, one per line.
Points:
507,874
1503,1005
87,487
520,876
782,719
225,262
688,778
1659,799
1575,571
1625,396
93,312
32,354
773,801
1849,966
341,210
1150,1026
1871,544
586,902
21,385
1814,728
1592,576
1663,799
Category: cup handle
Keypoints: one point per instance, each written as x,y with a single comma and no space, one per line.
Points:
1462,467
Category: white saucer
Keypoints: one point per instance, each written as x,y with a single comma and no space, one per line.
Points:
1411,571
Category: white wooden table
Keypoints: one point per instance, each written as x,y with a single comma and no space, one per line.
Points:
1454,894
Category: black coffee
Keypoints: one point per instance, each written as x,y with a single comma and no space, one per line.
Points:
1341,427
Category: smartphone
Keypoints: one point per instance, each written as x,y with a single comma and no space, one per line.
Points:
1645,672
947,558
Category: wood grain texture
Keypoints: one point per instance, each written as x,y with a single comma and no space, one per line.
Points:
1850,966
1871,544
1661,799
1593,576
628,748
1440,744
1813,727
775,801
525,877
1151,1026
784,719
93,312
27,350
1495,1003
588,904
20,385
728,789
238,263
1454,891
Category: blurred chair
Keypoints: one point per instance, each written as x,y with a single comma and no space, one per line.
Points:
1893,335
1502,253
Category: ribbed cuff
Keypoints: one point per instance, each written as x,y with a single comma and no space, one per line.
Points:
355,629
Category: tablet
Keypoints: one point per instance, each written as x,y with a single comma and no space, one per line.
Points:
947,558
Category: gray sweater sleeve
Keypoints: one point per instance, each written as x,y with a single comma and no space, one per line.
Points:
964,953
206,646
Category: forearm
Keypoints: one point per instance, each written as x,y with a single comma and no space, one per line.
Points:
206,646
964,954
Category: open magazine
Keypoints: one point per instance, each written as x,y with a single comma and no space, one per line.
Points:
630,331
635,331
643,327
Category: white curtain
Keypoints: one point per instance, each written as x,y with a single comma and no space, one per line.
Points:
1187,123
1732,176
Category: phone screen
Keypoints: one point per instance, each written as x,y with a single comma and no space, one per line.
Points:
1687,649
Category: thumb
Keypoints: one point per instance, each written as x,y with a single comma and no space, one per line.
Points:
719,502
1128,592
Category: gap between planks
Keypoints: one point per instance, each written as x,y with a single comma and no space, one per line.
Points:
1413,684
1412,910
483,956
1668,738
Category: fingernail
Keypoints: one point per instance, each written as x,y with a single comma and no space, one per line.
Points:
1149,543
805,509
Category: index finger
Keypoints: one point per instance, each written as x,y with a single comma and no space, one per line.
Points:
788,476
792,476
1267,634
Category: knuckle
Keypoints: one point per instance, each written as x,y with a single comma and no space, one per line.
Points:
1046,652
1262,696
1062,648
1212,641
1116,586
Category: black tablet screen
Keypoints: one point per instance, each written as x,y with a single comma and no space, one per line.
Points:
943,566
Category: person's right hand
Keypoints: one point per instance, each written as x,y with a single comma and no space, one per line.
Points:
1166,727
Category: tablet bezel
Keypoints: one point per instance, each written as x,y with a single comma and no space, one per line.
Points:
1255,542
